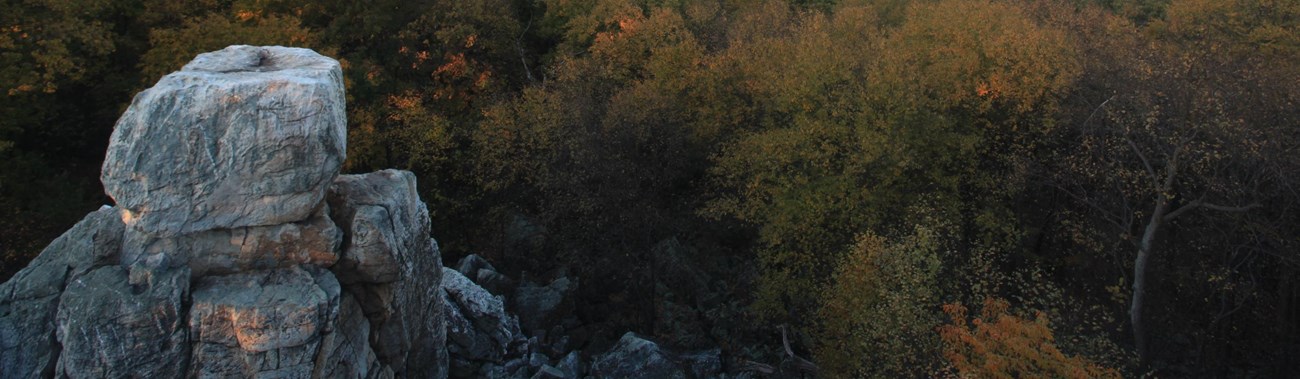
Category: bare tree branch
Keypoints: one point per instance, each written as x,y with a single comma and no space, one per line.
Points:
1183,209
1155,181
1200,203
1232,209
800,363
520,48
1094,111
1171,171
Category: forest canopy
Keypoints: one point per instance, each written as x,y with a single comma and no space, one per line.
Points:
1111,184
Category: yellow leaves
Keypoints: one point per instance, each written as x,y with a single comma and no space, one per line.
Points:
1237,27
881,304
958,51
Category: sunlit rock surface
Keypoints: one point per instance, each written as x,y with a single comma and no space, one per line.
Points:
245,136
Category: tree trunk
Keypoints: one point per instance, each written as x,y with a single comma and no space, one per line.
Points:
1145,248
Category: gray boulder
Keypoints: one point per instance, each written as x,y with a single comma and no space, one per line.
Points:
244,136
634,356
387,223
485,311
540,307
29,301
471,264
479,331
393,268
548,372
571,365
482,273
495,282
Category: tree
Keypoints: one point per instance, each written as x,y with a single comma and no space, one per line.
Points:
883,304
858,120
1189,129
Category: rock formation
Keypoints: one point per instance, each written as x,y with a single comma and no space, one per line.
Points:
236,249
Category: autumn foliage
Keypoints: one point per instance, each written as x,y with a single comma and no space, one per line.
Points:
999,344
840,167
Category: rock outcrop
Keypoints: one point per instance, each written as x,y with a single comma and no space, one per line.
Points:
245,136
236,249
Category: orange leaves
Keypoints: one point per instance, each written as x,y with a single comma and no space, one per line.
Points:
455,65
999,344
245,15
407,100
628,24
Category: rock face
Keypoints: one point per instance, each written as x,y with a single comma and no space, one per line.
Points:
245,136
392,266
265,322
236,249
105,321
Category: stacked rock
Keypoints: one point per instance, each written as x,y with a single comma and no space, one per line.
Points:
236,249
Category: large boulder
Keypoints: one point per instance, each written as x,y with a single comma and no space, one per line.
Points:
479,330
634,356
393,268
244,136
482,273
541,307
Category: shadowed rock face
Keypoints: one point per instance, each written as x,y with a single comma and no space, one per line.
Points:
245,136
223,258
392,267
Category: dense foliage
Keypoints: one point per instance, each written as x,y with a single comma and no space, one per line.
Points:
716,171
